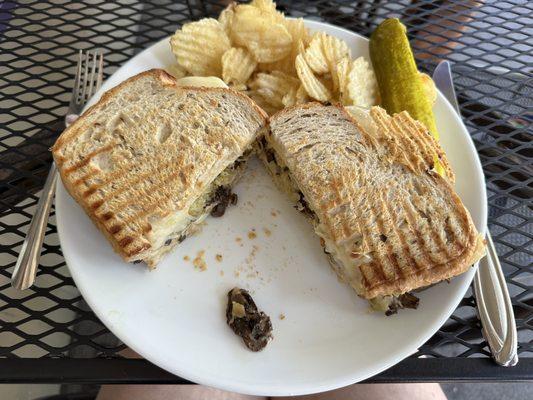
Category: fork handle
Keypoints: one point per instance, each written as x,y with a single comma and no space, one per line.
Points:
28,259
495,308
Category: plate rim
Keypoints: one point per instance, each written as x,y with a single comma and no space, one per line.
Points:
260,389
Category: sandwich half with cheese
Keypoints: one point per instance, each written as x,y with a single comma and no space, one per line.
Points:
152,159
389,223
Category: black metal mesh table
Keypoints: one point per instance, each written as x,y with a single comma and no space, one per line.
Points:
490,44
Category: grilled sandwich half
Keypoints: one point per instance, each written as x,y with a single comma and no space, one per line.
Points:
152,159
387,221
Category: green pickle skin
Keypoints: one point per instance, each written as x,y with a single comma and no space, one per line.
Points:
400,86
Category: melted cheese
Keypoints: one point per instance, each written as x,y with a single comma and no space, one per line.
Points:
206,81
163,228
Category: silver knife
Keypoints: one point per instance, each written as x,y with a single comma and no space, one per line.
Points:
490,288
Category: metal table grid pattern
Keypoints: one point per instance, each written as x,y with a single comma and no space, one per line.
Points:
488,42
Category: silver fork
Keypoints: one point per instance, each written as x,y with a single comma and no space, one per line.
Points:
89,74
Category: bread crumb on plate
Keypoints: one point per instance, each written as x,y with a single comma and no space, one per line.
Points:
199,261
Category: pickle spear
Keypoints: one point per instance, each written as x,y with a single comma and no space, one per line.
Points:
399,82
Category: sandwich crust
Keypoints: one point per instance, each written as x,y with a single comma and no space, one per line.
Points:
379,203
143,154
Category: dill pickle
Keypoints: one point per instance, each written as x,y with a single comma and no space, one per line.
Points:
399,82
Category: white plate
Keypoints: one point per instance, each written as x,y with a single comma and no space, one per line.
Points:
174,316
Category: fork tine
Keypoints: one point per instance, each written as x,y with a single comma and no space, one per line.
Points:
77,79
91,78
85,76
100,75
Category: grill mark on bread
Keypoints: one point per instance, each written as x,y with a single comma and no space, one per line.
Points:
451,234
411,220
89,192
147,228
82,180
124,242
339,202
435,266
424,159
372,274
183,178
130,185
96,205
396,146
131,200
372,266
137,250
410,146
114,229
391,258
420,132
386,215
149,207
87,158
406,249
364,280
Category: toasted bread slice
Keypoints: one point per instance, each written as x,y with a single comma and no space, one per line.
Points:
147,161
389,222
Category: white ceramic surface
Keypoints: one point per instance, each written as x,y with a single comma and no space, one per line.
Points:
174,316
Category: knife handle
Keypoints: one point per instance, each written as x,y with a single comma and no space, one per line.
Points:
495,309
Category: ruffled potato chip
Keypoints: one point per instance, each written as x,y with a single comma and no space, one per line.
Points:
301,95
362,85
269,7
334,50
237,65
297,95
261,102
275,60
286,64
313,86
226,17
289,99
340,79
300,39
176,71
274,86
199,46
267,40
314,55
298,31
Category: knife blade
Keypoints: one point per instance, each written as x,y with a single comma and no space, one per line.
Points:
442,76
